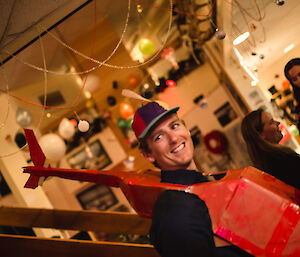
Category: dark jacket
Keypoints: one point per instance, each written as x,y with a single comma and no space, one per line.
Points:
181,225
285,168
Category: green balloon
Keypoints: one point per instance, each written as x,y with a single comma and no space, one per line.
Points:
122,124
129,121
146,46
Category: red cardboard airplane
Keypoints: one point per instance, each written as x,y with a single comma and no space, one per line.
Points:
248,208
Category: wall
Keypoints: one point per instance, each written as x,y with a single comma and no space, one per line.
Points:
200,81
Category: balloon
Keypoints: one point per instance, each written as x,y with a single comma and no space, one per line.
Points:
111,100
83,126
23,117
92,83
220,34
133,81
53,146
126,110
146,91
146,46
20,140
66,129
122,124
73,122
90,103
129,122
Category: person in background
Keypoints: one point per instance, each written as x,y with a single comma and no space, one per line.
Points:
292,73
181,224
262,136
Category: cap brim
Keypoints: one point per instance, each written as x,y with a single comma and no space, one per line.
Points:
153,122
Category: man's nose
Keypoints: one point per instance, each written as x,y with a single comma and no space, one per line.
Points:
173,137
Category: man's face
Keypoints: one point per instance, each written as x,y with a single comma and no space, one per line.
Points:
170,145
294,74
271,132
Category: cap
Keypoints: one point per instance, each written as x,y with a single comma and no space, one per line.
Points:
147,116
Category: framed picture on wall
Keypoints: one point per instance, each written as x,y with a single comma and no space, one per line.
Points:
92,156
97,197
225,114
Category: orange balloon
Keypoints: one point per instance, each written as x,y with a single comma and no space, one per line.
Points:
133,81
285,84
126,110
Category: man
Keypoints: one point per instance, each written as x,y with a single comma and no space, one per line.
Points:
181,225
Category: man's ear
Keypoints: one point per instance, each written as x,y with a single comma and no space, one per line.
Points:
148,156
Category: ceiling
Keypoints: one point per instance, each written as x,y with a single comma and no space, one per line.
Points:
273,28
132,19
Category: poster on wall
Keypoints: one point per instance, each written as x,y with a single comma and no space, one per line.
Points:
97,197
225,114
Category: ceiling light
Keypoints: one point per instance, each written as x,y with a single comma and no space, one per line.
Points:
288,48
241,38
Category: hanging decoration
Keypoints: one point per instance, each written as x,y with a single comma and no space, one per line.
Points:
74,122
146,91
126,110
129,122
111,100
23,117
146,46
122,123
66,129
171,83
53,146
83,126
133,81
169,55
92,83
20,140
216,142
220,34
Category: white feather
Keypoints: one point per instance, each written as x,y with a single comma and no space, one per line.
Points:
131,94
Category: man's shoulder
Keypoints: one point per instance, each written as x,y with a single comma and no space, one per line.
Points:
177,198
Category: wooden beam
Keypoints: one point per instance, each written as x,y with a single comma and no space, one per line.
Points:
23,246
109,222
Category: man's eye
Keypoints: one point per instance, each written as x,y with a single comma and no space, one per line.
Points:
157,138
175,125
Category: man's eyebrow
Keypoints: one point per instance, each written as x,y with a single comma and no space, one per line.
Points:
154,133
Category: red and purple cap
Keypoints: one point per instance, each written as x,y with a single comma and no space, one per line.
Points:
147,116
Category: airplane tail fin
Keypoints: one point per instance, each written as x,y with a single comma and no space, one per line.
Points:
37,156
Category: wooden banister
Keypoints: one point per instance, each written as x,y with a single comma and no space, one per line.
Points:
23,246
109,222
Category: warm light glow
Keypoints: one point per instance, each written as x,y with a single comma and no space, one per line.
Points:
48,115
241,38
288,48
87,94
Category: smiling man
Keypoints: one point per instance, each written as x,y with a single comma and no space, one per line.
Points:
181,225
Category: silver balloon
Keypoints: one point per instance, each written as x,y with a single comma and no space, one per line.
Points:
23,117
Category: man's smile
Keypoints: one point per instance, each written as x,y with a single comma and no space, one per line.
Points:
178,148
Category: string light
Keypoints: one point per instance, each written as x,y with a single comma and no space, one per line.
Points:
101,63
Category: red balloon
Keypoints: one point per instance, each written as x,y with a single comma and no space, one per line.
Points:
126,110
